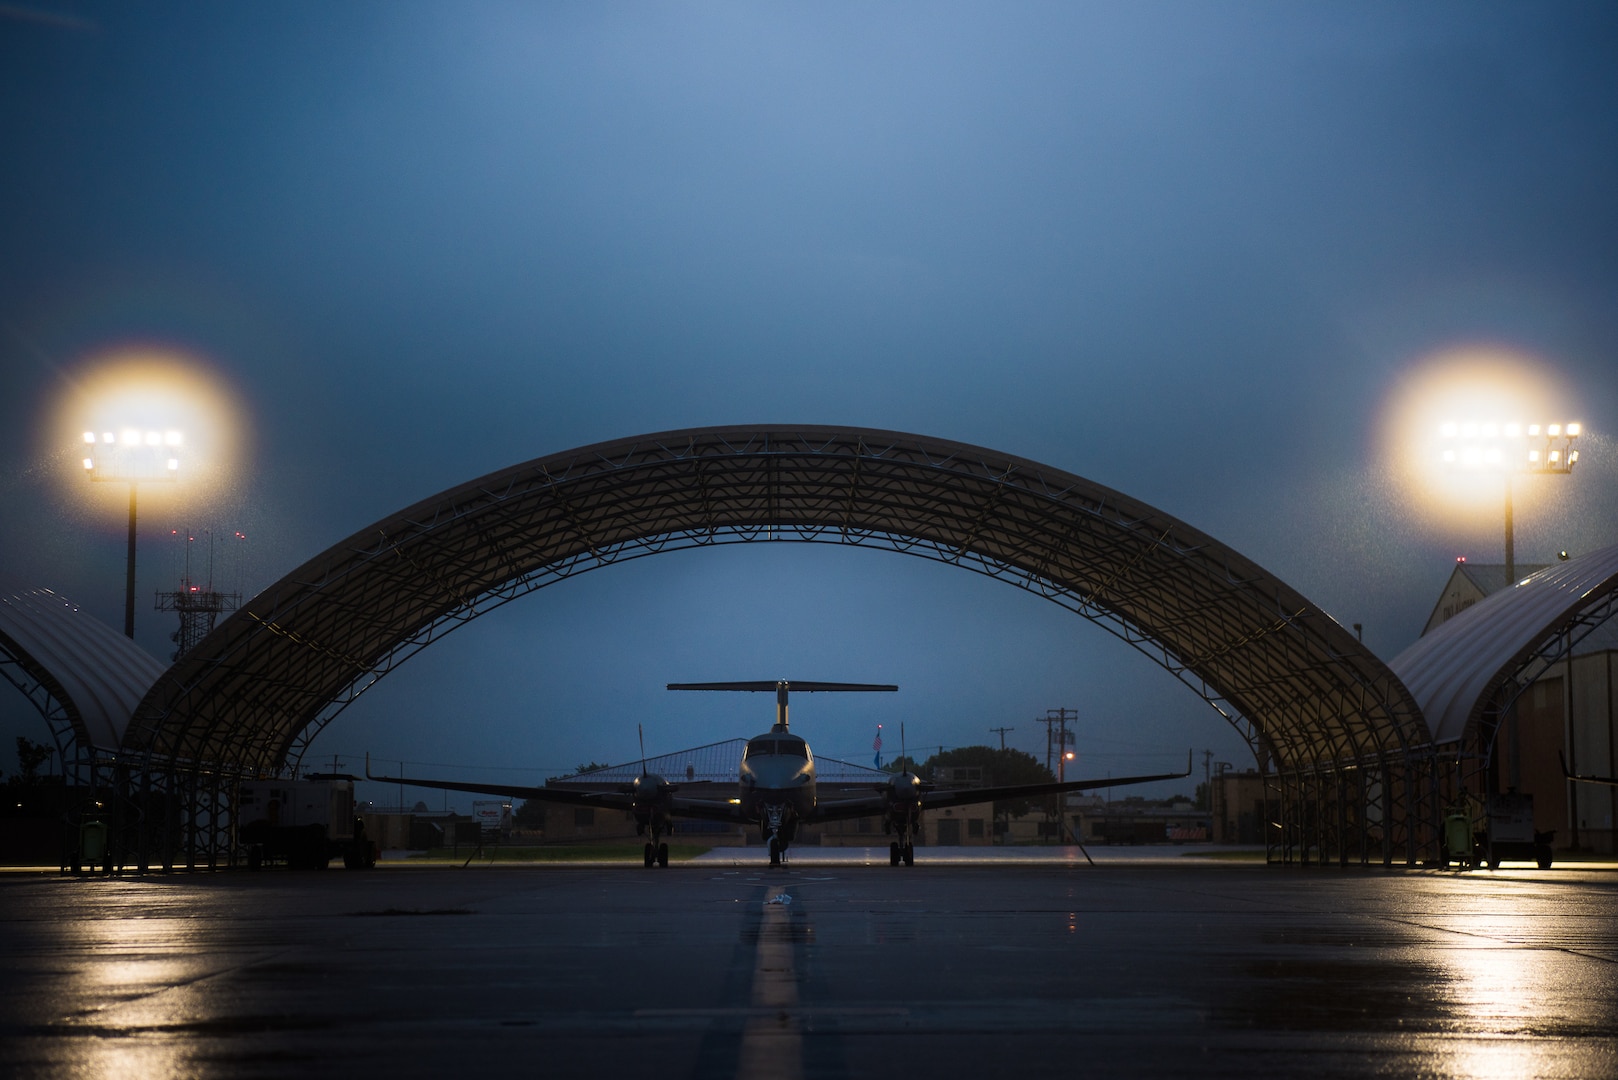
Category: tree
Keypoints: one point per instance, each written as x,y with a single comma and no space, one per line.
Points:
530,815
30,756
1000,768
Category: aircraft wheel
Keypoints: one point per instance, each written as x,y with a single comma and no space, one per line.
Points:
649,855
910,854
893,853
775,852
662,855
1542,855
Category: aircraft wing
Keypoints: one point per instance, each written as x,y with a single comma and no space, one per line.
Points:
613,798
874,804
706,809
1610,781
608,797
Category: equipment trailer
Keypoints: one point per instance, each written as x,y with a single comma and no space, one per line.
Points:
305,823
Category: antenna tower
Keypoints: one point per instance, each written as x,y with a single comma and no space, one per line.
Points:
198,605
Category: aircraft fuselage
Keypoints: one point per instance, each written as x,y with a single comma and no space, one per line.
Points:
777,783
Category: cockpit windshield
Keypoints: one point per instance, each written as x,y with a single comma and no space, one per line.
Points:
769,745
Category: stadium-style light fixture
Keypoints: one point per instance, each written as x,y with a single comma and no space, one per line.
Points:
1504,447
132,457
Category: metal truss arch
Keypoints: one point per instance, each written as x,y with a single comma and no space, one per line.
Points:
1293,680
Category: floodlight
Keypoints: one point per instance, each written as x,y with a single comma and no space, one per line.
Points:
132,457
1479,445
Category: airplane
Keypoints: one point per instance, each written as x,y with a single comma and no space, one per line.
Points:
1610,781
776,789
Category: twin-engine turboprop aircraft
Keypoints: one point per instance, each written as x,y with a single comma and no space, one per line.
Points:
776,788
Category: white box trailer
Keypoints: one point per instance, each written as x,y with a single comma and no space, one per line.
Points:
305,823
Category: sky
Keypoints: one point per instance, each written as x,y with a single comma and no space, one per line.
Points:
1232,259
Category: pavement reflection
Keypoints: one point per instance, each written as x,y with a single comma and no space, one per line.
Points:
823,968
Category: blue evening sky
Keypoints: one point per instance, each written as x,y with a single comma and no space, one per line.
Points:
1197,252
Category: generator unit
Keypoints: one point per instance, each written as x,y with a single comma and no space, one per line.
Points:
1512,834
304,823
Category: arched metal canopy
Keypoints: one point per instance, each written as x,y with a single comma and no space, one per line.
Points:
1299,686
1458,670
83,676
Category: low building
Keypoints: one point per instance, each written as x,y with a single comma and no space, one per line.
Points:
1240,806
1139,820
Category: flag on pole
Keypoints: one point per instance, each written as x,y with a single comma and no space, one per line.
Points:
877,746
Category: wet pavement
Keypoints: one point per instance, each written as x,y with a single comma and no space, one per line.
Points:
825,968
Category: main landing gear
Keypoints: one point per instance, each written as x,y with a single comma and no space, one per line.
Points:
656,852
905,852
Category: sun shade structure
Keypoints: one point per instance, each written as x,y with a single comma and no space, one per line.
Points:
1469,667
1306,694
84,677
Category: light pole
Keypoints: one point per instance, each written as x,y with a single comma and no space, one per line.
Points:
1509,449
132,457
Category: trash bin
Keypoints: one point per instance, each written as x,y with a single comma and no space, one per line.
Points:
92,845
1458,838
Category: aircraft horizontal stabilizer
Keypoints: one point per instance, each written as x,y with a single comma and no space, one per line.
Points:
790,684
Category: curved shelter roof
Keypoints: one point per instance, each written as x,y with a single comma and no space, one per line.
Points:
95,674
1308,691
1456,669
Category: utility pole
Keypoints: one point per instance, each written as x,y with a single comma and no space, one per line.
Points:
1207,778
1058,718
1001,731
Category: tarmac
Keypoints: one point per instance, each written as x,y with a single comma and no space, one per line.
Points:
972,963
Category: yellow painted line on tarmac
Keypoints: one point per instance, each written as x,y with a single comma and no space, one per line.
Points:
772,1039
